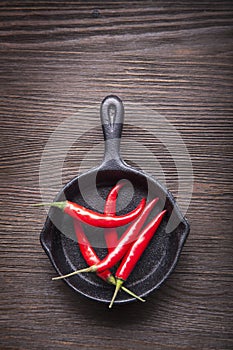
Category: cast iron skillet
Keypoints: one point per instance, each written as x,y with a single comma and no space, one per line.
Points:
90,190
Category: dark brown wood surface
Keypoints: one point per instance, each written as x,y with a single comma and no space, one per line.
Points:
175,58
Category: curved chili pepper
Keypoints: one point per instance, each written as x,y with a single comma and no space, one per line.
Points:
87,251
91,257
90,217
110,234
134,253
123,245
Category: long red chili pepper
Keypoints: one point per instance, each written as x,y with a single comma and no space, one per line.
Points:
91,257
90,217
134,253
123,245
111,236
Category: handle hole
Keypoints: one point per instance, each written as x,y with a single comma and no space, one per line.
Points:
111,114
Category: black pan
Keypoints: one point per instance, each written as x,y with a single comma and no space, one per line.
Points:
90,190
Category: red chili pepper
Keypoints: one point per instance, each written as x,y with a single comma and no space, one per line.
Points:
87,251
90,217
123,245
134,253
91,257
111,236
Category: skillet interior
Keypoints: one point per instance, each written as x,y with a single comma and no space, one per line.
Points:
156,263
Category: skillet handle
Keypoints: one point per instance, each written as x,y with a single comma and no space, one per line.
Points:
112,118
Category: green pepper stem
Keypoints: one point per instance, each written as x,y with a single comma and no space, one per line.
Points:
131,293
111,279
60,205
88,269
118,287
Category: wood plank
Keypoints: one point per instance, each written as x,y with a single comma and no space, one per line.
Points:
58,60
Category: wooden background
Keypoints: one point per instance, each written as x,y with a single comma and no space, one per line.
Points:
173,57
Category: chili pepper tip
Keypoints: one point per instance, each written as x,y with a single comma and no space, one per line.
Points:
118,287
88,269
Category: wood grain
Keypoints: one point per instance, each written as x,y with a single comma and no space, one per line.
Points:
174,58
